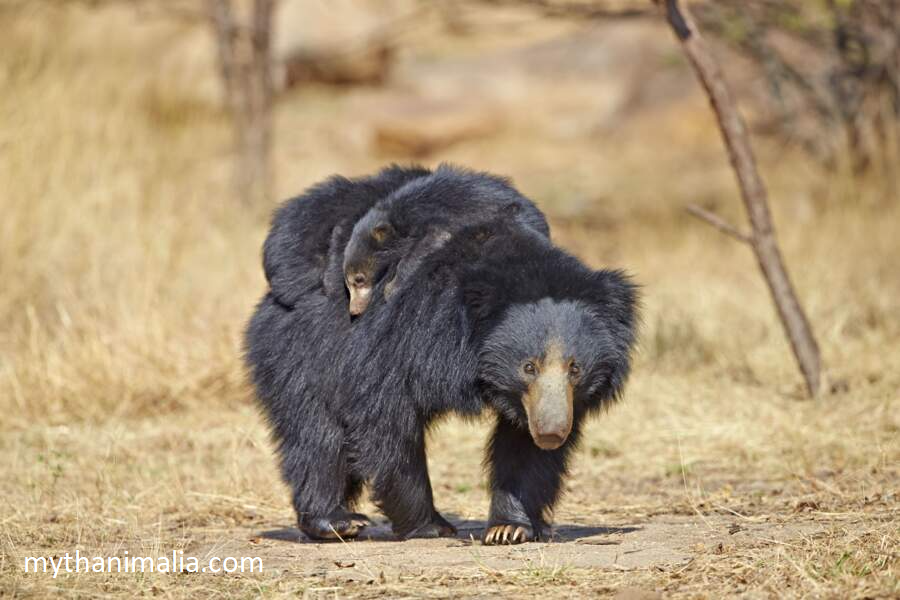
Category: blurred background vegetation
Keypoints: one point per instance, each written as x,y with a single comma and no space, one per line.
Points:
133,216
130,235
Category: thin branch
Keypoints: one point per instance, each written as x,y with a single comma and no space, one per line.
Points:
580,10
753,193
719,223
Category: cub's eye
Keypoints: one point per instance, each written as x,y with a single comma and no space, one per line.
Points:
529,368
574,370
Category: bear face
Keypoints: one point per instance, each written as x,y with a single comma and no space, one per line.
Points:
553,337
373,247
547,363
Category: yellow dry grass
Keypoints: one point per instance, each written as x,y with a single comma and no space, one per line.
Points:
127,271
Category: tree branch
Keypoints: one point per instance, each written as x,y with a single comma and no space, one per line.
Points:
580,10
719,223
753,193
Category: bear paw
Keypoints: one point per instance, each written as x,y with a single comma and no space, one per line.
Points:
438,527
338,525
508,533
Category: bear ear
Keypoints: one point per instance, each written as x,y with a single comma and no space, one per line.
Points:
382,232
511,210
612,294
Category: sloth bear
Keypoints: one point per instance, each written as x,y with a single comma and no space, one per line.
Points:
306,231
496,318
420,216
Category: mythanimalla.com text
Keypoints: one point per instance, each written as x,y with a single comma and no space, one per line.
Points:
177,562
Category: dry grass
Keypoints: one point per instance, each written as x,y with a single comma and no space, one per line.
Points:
128,271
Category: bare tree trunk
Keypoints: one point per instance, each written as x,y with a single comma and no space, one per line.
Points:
244,55
753,193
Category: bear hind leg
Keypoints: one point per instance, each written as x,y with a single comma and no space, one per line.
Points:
314,465
404,494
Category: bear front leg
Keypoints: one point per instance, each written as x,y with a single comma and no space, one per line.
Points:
525,485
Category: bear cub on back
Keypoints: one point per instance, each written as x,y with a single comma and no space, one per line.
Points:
401,229
310,231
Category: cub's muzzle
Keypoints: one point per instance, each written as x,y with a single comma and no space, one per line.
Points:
359,299
360,288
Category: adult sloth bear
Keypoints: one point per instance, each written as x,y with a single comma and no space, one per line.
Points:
497,318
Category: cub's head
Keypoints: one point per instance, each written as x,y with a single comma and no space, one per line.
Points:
367,257
545,364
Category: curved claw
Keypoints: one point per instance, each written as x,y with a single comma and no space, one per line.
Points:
507,533
338,525
353,525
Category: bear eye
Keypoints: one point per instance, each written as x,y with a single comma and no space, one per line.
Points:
529,368
574,370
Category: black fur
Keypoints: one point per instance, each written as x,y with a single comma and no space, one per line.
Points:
453,338
351,403
310,231
401,229
298,259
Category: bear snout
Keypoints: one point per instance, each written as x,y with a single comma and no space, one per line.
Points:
359,298
548,405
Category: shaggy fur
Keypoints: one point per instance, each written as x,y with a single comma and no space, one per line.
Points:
304,230
475,309
351,402
291,340
401,229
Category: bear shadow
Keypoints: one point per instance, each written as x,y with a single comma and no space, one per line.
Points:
467,530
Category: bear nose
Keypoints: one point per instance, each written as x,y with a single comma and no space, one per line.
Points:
550,441
359,279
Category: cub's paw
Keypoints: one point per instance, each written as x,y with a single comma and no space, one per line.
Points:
438,527
508,533
337,525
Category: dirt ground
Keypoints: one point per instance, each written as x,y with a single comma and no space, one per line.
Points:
660,543
664,499
128,270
